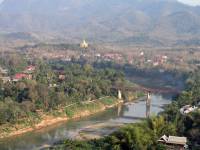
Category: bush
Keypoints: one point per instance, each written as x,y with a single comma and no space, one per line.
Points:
108,100
69,112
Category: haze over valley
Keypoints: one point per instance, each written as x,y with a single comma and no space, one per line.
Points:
99,74
128,22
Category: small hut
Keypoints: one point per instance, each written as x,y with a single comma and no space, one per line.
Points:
174,142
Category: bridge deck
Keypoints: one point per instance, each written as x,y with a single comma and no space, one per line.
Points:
150,90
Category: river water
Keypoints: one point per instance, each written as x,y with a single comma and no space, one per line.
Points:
97,125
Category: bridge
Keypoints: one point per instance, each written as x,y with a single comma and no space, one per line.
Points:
148,92
163,90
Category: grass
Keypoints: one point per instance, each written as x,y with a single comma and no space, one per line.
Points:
108,100
140,94
91,107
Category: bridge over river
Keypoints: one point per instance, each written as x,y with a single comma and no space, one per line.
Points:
148,92
98,125
163,90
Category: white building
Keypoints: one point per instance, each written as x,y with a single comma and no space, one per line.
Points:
187,109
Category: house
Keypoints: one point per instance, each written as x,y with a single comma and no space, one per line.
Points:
3,71
174,142
155,64
20,76
141,53
98,55
30,69
61,77
187,109
112,56
68,59
164,57
5,79
53,85
149,60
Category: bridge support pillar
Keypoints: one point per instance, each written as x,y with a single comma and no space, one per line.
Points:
148,98
148,105
119,94
119,110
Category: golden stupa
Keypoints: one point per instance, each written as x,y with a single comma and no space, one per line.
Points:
84,44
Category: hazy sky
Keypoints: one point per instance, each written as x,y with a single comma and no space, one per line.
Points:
189,2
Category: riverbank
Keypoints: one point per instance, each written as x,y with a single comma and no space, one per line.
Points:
97,131
76,111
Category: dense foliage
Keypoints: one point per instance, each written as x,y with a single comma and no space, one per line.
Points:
144,135
55,85
187,125
14,62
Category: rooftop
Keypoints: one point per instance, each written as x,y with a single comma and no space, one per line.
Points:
177,140
173,140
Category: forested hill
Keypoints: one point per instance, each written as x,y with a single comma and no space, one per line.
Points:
139,22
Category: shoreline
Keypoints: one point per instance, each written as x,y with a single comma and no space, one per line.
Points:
51,120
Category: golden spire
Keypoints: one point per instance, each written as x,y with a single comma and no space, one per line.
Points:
84,44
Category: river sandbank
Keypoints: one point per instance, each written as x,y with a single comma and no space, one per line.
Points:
48,120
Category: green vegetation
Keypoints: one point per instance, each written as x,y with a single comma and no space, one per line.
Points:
187,125
90,106
107,100
64,46
54,86
144,135
13,61
139,136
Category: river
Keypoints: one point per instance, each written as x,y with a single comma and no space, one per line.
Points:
96,125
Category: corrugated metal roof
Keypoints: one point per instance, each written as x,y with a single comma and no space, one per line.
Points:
173,140
177,140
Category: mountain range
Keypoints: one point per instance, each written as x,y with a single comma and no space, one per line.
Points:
130,22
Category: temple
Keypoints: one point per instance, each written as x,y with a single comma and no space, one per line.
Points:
84,44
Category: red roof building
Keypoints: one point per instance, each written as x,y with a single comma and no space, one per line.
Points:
30,68
20,76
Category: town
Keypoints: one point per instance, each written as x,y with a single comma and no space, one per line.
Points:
99,75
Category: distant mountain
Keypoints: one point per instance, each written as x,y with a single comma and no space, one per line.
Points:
138,22
19,36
